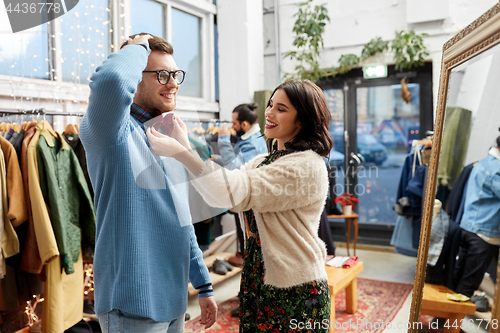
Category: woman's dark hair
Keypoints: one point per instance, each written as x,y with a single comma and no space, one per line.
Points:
498,142
246,113
313,115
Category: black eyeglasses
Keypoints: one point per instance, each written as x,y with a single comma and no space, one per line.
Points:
163,75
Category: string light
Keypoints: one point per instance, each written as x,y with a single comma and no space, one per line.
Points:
88,283
82,45
30,309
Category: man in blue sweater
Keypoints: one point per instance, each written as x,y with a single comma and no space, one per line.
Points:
146,248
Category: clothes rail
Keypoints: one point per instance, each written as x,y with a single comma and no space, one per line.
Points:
48,113
38,112
205,121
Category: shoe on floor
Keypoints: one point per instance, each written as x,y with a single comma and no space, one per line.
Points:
219,268
235,313
237,260
187,317
226,264
482,304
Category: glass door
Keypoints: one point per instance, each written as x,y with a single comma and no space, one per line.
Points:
385,128
372,128
336,160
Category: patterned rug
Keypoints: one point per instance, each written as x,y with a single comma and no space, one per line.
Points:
378,302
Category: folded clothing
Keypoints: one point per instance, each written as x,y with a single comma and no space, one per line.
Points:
350,262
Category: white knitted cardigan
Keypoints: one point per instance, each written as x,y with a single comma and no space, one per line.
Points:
287,197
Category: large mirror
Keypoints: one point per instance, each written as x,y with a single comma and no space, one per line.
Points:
462,202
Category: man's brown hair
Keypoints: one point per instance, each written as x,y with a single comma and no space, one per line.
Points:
155,43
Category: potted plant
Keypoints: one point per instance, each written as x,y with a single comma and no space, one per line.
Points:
347,202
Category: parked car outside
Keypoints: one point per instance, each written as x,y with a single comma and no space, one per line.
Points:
368,146
336,159
371,149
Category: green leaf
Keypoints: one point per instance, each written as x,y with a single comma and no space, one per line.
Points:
409,50
308,28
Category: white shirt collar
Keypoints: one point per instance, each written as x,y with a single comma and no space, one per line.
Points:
254,129
495,152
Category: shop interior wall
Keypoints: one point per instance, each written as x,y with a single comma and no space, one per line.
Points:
354,23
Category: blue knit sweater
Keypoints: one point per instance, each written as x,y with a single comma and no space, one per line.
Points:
146,248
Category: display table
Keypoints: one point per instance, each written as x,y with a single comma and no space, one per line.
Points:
348,219
340,279
435,303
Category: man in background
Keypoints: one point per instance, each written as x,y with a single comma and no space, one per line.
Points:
250,142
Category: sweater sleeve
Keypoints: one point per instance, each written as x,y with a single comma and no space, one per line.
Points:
291,182
198,271
112,89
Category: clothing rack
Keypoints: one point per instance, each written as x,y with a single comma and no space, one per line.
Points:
204,121
39,112
42,112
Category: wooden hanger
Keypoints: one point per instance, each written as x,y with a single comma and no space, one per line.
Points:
70,130
16,127
214,130
198,130
49,128
31,123
427,143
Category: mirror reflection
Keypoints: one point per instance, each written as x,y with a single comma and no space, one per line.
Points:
465,233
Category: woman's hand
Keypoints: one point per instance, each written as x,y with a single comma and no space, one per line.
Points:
166,146
163,145
180,133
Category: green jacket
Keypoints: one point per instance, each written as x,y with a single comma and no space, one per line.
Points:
67,197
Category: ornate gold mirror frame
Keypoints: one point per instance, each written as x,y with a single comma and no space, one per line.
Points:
479,36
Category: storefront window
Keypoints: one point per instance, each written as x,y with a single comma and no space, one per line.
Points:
147,16
335,102
386,125
84,41
24,53
186,41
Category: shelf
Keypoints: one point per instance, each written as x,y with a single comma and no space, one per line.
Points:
216,278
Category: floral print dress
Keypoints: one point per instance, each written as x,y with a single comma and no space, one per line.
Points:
265,308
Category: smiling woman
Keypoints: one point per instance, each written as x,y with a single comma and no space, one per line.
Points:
281,119
282,194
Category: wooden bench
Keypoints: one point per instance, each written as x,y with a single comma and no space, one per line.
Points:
348,219
215,278
435,303
340,279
